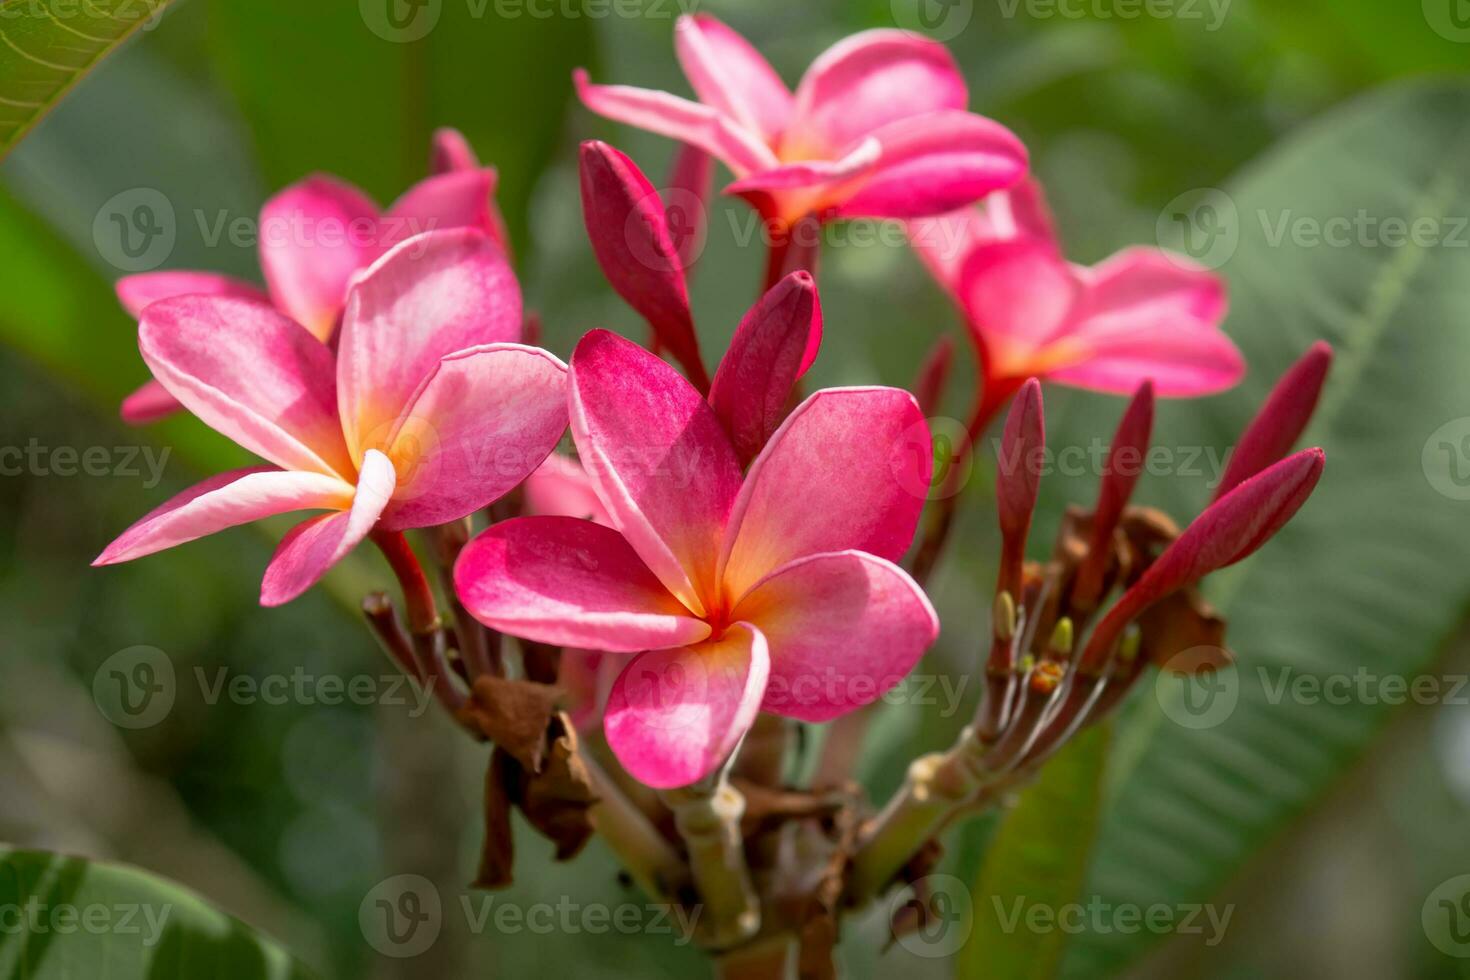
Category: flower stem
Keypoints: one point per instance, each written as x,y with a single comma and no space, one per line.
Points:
708,817
649,858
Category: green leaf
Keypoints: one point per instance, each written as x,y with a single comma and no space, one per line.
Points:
67,918
1372,573
1036,866
341,87
47,46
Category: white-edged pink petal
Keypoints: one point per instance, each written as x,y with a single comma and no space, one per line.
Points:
314,546
673,716
728,74
136,292
224,501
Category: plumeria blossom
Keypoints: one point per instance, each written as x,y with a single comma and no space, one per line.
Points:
1143,314
314,237
878,127
429,410
774,589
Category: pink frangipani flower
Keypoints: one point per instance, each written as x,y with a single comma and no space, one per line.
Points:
1142,314
314,236
429,411
771,590
878,126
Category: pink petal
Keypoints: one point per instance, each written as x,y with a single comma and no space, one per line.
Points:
570,583
849,469
313,547
843,628
137,292
561,488
689,122
482,422
945,242
460,199
1018,295
935,163
791,191
631,238
661,463
1282,418
314,236
1229,530
431,296
250,374
686,203
674,715
223,501
865,81
1147,284
773,346
450,151
1126,456
730,75
150,403
1181,361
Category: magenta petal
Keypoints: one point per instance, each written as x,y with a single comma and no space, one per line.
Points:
843,628
150,403
250,374
1150,285
631,238
935,163
314,546
1229,530
1282,418
1182,362
674,715
137,292
870,79
1018,296
483,421
429,297
1125,462
730,75
662,464
849,469
223,501
571,583
945,242
460,199
773,345
314,236
561,488
688,122
686,203
450,151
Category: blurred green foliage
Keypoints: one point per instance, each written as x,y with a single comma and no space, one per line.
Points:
289,814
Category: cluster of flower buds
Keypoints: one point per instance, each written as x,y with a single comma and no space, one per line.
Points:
1046,676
